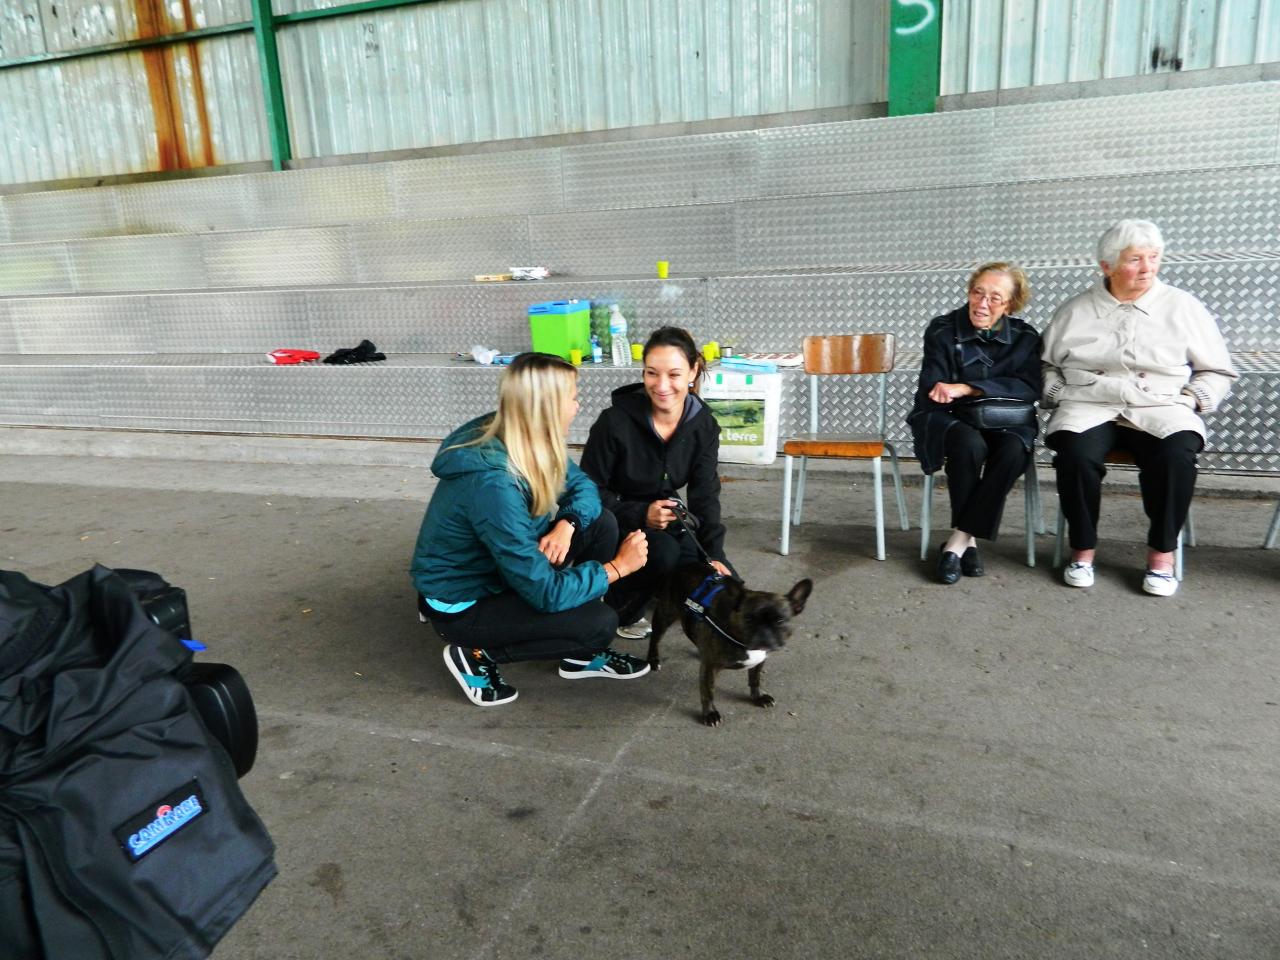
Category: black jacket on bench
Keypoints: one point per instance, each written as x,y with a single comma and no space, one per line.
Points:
123,832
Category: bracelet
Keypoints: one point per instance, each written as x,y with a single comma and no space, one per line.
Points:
616,572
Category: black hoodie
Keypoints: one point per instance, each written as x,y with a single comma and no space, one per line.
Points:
632,465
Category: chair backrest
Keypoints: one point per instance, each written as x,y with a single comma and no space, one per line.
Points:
849,353
843,354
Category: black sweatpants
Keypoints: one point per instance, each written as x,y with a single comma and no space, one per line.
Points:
981,467
509,630
1166,477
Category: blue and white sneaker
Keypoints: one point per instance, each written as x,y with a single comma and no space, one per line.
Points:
478,676
1160,583
607,664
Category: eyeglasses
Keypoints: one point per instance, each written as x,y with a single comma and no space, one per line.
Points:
993,299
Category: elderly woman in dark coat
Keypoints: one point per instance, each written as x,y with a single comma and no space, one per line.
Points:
977,351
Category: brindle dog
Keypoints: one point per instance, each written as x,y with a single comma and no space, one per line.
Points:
738,628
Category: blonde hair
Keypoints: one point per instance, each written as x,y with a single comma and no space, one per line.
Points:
1021,285
529,422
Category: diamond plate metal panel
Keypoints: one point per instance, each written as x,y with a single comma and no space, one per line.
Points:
81,325
231,322
1212,210
189,206
6,234
277,257
1243,295
321,197
62,214
8,336
35,268
1243,434
46,395
436,250
777,313
882,228
1170,130
137,263
932,150
177,395
669,171
694,239
477,185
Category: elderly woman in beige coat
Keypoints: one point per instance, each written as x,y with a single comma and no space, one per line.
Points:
1131,364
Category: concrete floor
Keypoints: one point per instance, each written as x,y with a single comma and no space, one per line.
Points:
1003,768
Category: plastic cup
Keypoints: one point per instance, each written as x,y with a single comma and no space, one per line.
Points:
637,351
663,267
575,357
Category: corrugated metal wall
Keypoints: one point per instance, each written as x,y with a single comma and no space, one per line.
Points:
998,44
460,71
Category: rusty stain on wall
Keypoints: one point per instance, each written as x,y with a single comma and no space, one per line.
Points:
174,151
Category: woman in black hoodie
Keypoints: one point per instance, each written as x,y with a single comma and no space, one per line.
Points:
656,438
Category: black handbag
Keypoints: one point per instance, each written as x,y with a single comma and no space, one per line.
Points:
996,413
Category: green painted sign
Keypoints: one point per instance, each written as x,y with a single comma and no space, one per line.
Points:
915,55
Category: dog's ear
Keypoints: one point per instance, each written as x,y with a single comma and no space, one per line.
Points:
798,594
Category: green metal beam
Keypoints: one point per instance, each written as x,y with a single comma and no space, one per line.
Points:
264,31
128,46
915,56
347,9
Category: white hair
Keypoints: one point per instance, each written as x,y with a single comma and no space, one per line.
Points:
1126,234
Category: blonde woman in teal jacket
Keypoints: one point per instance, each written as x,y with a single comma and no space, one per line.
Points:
515,553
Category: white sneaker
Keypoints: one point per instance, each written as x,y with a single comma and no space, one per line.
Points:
1078,574
1160,583
636,631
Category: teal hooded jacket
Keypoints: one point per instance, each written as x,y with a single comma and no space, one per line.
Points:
478,539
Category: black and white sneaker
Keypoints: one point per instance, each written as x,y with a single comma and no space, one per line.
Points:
606,663
478,676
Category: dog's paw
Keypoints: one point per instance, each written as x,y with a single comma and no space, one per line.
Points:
763,700
711,718
655,664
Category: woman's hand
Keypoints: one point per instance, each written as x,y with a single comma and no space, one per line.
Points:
633,553
947,392
555,543
720,568
659,515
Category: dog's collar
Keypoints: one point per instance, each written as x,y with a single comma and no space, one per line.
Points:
699,601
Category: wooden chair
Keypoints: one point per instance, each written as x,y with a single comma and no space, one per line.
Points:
849,354
1123,458
1031,502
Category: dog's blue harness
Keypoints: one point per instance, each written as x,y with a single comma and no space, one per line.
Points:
699,601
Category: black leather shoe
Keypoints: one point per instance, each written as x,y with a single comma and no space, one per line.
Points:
971,563
948,567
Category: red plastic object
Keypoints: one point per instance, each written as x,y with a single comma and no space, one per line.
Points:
292,356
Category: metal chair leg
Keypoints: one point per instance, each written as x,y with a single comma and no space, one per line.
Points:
1190,528
1177,559
897,486
1057,538
804,469
926,516
1041,527
1270,540
1029,511
786,507
879,491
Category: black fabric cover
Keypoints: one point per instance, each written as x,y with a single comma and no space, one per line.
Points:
96,731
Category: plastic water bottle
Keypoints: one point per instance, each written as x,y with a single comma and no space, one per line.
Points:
597,354
618,334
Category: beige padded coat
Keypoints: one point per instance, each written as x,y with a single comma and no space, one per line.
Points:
1154,364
